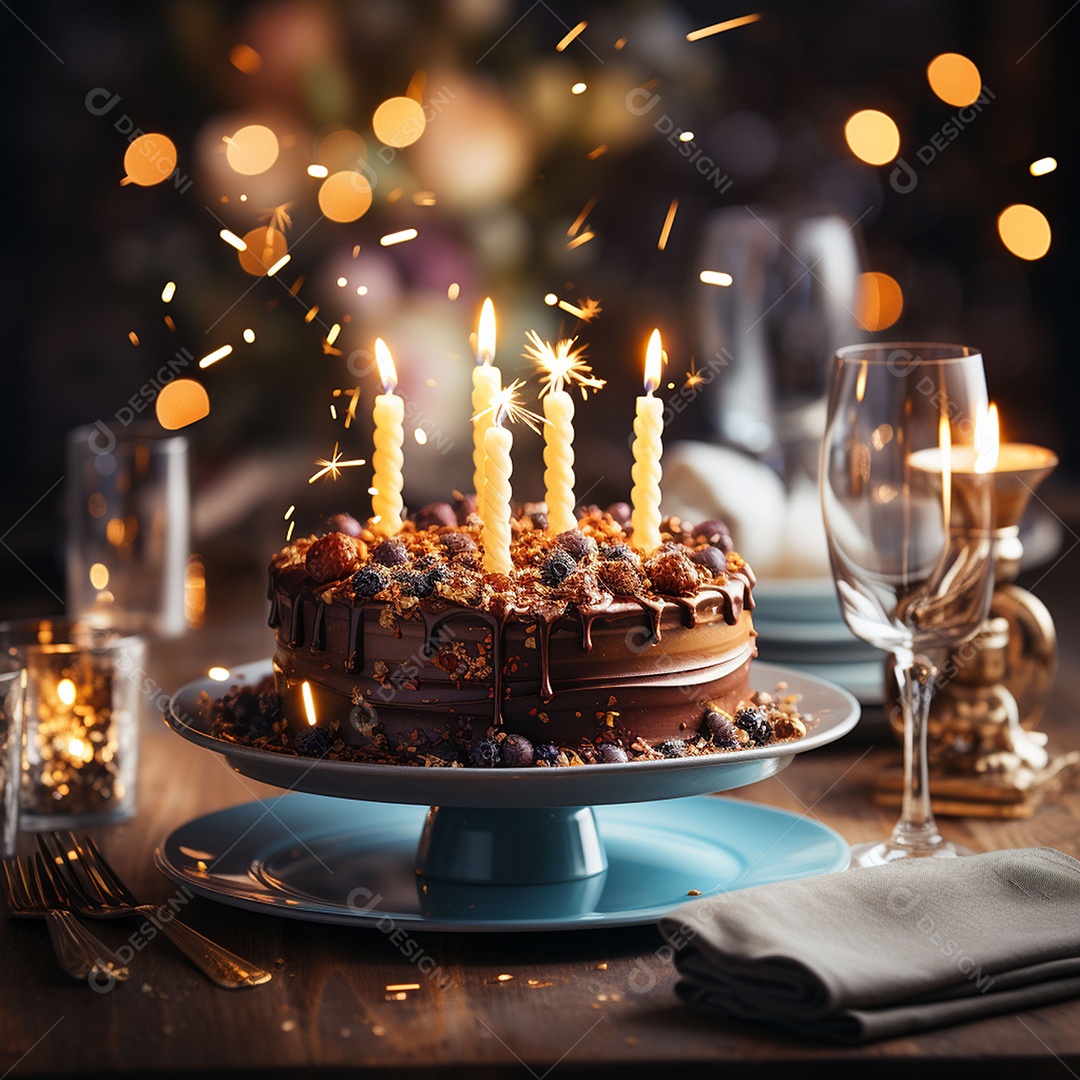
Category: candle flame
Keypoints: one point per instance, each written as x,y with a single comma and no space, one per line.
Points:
485,334
654,359
560,366
945,442
387,371
309,703
987,440
65,691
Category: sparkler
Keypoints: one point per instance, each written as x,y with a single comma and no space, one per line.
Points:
561,366
333,465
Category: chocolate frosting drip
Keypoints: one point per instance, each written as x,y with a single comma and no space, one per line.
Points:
296,623
318,630
543,648
355,660
730,598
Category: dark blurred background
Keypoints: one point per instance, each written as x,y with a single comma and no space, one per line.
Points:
509,158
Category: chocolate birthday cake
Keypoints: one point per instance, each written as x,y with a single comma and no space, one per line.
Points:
404,650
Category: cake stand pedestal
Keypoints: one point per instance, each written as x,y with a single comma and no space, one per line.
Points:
530,848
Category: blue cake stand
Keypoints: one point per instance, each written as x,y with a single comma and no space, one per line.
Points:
499,849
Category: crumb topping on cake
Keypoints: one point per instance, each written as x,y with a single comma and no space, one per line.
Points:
587,567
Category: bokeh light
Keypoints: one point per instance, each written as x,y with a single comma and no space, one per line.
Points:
342,149
181,402
265,247
1043,166
872,136
252,149
399,121
954,78
345,196
879,301
1024,231
149,160
244,58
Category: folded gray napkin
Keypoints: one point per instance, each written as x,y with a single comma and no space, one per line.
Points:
880,951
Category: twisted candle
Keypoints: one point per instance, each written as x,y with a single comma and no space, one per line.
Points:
487,381
389,417
648,447
498,442
559,461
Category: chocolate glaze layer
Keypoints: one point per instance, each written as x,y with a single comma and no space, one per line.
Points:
633,667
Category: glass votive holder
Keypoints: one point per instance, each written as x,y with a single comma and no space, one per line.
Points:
128,541
12,692
83,703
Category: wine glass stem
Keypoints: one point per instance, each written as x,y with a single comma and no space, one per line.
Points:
916,827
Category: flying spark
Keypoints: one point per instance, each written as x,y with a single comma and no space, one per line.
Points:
584,238
232,239
719,28
665,232
570,37
168,292
398,237
580,219
215,356
715,277
278,265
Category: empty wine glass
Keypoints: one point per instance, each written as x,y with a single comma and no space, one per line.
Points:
908,509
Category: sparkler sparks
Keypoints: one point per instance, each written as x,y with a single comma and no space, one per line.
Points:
719,28
693,376
168,292
584,238
507,406
561,366
333,465
278,265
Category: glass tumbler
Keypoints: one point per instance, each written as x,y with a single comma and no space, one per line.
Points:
128,527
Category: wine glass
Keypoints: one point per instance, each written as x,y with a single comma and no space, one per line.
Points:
908,506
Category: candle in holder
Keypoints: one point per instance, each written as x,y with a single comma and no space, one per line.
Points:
84,694
389,417
487,381
648,446
560,366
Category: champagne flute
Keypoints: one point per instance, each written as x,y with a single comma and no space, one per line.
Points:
908,508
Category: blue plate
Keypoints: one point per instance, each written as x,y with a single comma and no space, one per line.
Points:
351,863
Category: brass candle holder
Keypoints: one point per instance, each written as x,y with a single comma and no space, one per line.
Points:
986,758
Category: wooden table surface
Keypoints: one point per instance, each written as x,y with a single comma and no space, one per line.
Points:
572,1003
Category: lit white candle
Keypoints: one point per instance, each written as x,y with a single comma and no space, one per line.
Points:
389,417
648,446
487,381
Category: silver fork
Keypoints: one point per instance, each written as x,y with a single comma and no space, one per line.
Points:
97,892
32,892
